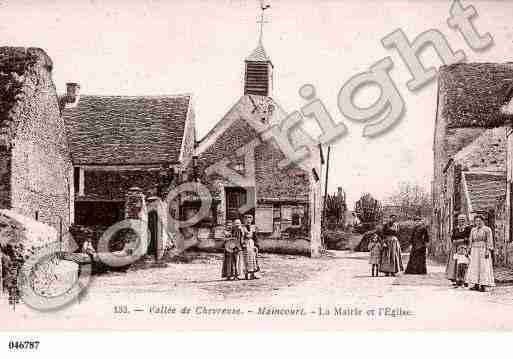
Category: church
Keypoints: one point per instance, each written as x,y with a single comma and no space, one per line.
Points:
285,201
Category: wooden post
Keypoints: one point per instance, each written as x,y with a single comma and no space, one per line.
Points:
60,231
323,213
323,222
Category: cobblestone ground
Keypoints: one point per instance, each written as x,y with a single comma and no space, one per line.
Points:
333,292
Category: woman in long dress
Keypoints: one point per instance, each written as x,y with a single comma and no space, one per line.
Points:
460,237
480,270
249,248
419,240
391,261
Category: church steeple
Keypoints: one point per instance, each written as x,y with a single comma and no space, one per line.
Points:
258,74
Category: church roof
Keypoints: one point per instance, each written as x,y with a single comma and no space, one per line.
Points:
121,130
258,54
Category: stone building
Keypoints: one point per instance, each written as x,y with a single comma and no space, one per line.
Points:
470,145
127,153
285,202
93,161
36,173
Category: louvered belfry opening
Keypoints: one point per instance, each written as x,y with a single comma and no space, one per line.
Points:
257,78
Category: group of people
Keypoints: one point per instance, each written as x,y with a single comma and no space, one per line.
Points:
385,249
240,250
470,259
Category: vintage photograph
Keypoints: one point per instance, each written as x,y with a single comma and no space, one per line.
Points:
256,164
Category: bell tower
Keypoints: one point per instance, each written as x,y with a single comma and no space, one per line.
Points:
258,72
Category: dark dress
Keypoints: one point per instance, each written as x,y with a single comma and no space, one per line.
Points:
419,240
459,237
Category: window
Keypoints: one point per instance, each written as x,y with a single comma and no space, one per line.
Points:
298,214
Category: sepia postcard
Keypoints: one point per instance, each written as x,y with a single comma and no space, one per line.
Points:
255,165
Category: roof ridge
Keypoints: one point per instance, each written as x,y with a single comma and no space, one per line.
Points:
189,94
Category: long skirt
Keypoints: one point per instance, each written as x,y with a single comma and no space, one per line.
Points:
229,265
450,269
417,262
480,269
391,261
250,260
241,264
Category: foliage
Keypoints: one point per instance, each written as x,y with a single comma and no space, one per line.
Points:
336,240
368,209
411,199
335,209
405,231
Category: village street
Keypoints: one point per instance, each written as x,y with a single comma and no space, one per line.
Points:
335,291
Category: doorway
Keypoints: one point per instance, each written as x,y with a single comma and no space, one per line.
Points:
236,197
153,226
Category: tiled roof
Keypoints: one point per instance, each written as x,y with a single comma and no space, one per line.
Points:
127,130
258,54
486,153
485,189
472,94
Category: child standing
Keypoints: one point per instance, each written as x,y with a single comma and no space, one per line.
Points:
375,254
462,261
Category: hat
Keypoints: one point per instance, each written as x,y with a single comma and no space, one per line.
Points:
417,218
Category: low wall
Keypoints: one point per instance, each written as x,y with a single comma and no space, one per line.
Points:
207,241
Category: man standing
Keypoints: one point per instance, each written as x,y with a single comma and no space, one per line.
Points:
419,240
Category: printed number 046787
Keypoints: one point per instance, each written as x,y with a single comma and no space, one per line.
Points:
23,345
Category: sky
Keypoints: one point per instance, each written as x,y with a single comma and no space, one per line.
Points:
143,47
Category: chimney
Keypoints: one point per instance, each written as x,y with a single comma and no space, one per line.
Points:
72,95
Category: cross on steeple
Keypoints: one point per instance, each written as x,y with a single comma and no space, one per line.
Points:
262,20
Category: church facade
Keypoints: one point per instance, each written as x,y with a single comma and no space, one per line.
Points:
247,174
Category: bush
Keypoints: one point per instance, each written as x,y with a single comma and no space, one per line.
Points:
335,239
363,246
405,231
365,227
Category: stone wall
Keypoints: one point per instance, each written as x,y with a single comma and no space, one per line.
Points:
503,254
275,182
33,135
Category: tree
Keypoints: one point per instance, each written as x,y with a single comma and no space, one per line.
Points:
336,209
368,209
411,199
